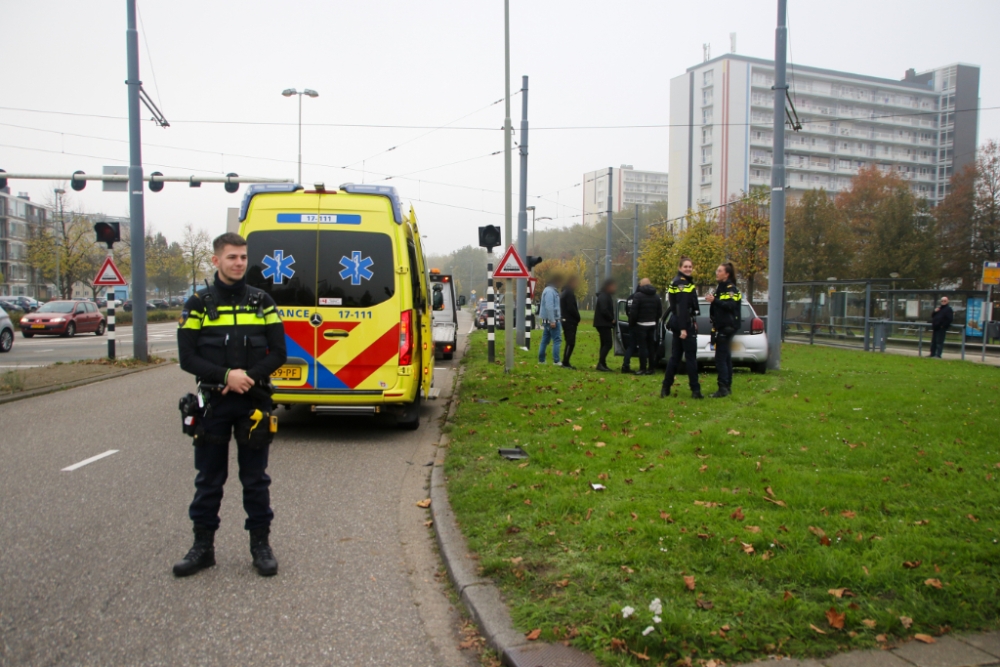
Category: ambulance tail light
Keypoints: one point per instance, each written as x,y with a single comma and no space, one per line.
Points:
406,338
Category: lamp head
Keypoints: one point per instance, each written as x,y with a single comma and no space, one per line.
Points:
288,92
310,92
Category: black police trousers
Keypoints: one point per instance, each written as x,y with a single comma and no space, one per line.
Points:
645,341
724,360
211,460
688,347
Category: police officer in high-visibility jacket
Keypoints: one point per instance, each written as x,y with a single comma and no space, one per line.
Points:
231,338
682,322
725,312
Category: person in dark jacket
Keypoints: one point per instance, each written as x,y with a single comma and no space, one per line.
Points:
604,320
631,344
682,323
941,321
643,317
724,311
570,318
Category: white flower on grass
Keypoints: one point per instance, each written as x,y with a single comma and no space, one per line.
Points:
627,611
656,606
657,619
647,630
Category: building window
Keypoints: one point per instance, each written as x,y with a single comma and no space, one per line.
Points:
706,174
706,96
706,78
706,135
706,154
706,116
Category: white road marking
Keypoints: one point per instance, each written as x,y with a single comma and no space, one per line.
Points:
90,460
23,366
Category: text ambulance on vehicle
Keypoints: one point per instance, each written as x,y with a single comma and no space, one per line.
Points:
346,268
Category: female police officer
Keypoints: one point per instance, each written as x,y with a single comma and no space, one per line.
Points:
231,338
682,323
725,313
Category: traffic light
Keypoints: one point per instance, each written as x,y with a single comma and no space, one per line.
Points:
108,233
75,184
3,181
489,237
232,187
155,186
531,261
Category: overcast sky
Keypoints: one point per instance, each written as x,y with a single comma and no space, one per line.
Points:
406,63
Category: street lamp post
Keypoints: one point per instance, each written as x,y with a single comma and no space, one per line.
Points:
288,92
62,228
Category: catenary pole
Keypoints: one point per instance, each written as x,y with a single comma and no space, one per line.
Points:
776,259
607,239
508,188
522,215
137,215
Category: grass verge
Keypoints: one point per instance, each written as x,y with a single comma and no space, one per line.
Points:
27,379
849,501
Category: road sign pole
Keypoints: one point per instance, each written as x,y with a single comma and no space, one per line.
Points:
987,307
491,352
111,319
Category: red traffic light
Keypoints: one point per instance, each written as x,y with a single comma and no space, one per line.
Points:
108,233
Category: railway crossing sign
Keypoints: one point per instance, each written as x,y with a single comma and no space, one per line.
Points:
511,265
109,275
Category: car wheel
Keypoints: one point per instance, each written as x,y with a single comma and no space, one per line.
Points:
6,340
409,420
759,368
70,330
27,334
101,328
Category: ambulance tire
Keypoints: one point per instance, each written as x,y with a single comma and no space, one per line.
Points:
409,417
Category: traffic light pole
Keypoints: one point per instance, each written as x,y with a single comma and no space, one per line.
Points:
521,286
137,214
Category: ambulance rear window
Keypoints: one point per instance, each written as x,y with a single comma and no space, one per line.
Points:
283,264
356,268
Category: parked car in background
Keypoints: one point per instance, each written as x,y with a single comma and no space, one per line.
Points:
127,306
23,303
162,304
6,332
101,302
64,318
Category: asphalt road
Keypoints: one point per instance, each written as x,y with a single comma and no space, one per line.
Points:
44,350
85,565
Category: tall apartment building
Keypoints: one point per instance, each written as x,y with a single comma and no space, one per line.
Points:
17,215
923,127
629,186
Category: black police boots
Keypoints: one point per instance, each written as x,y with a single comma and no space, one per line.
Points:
722,392
201,555
696,394
263,558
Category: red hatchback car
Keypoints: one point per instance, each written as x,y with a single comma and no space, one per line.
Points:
64,318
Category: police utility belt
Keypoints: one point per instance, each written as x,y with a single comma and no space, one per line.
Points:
256,430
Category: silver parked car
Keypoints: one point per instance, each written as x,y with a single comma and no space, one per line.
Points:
6,332
749,346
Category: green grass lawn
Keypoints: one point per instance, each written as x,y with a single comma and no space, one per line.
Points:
849,501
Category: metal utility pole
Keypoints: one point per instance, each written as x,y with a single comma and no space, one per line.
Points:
137,213
288,92
635,248
60,232
522,214
776,259
508,188
607,241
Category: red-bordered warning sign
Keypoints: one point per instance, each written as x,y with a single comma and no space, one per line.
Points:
109,275
531,287
510,265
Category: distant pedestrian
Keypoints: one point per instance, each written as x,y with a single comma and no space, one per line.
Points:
550,313
570,318
941,321
644,315
604,321
725,312
682,323
631,344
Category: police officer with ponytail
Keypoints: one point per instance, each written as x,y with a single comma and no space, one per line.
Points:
231,339
682,322
725,312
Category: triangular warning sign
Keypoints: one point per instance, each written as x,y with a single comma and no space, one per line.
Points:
510,265
109,275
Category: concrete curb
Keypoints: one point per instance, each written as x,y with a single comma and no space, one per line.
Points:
51,389
481,598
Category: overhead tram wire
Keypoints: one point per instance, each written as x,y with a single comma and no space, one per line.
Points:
495,129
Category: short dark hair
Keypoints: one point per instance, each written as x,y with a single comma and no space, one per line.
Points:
681,261
229,238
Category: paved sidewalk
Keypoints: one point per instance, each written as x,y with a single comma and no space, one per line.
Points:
947,651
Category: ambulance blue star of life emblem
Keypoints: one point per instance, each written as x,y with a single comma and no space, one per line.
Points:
278,267
356,268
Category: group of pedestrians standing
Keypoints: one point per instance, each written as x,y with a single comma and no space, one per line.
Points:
560,316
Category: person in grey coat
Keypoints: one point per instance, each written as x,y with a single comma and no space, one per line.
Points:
550,313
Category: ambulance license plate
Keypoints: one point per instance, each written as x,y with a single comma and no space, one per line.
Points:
288,373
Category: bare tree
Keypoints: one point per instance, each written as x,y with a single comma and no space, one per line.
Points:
196,247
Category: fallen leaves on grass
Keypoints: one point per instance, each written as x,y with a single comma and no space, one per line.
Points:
911,564
752,529
738,514
923,522
533,635
704,604
868,623
788,596
780,503
577,427
627,569
971,518
906,621
665,517
600,444
707,503
818,532
835,618
881,639
848,514
425,503
527,501
703,469
934,583
817,630
841,593
689,582
747,548
618,645
927,639
697,432
732,431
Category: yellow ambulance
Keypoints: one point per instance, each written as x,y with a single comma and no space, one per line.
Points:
347,271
